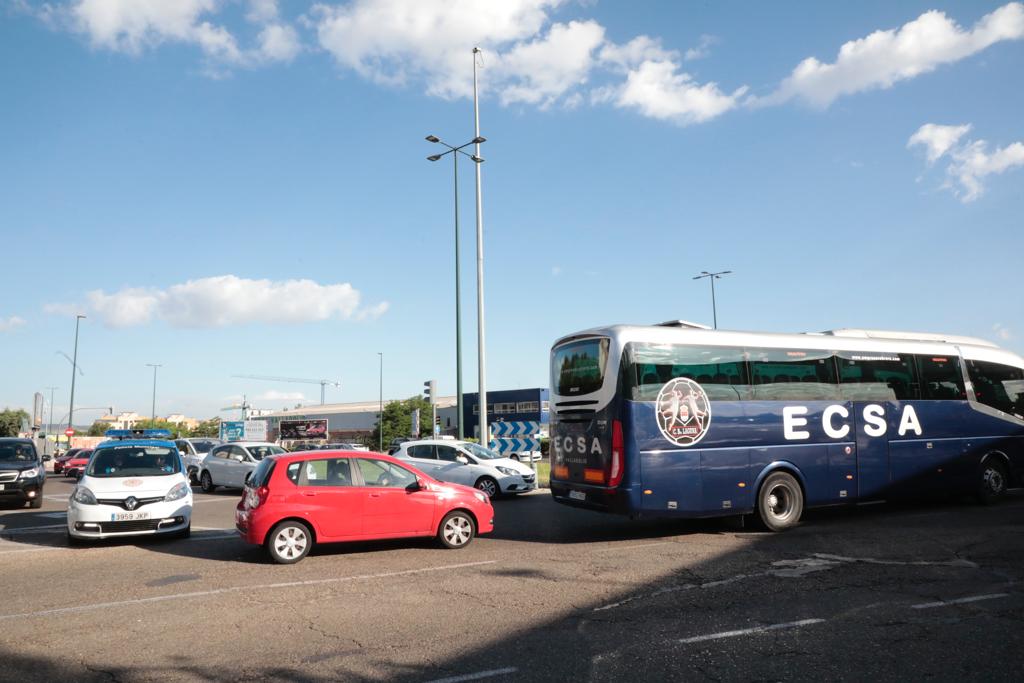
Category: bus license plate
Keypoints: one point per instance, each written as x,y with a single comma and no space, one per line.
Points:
577,495
129,516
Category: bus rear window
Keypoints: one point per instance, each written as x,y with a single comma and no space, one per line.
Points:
578,368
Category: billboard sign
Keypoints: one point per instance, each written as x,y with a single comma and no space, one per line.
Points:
232,431
303,429
255,430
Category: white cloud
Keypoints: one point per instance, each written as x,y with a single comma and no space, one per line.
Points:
702,50
273,395
279,43
394,42
937,139
1002,332
658,89
132,25
543,70
228,300
884,58
11,323
969,163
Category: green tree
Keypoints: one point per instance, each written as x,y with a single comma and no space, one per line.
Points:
99,428
208,428
11,421
397,421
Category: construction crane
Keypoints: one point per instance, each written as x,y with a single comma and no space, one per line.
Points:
243,406
324,383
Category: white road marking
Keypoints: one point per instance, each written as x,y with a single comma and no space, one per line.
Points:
959,601
476,676
748,631
235,589
215,500
900,563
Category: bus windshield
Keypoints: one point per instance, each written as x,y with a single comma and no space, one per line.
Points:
578,368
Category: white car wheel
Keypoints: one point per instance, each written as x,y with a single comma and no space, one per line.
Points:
289,542
457,530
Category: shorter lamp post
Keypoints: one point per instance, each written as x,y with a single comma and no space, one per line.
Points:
713,277
455,152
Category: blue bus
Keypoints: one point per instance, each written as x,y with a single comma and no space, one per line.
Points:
680,420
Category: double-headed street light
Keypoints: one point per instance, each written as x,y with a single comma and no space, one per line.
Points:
455,152
713,277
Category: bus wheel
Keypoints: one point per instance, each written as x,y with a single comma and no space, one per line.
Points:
992,480
780,502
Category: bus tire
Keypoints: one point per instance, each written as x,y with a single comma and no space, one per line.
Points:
992,480
780,501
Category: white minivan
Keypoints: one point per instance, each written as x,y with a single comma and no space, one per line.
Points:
131,488
464,462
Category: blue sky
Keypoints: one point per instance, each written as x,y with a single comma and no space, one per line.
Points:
240,187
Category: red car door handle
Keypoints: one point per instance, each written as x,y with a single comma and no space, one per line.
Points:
374,495
309,493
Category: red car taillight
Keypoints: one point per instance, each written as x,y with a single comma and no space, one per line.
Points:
615,468
256,497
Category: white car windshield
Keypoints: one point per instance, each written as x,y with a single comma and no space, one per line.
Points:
481,452
134,461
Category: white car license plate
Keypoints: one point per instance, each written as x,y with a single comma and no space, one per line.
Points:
577,495
128,516
2,486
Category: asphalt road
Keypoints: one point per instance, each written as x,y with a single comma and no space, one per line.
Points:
909,592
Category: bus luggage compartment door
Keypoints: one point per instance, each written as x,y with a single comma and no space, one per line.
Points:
724,479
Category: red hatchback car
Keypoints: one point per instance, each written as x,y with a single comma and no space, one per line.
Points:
74,466
296,500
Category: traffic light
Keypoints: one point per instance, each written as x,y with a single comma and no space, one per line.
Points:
430,390
437,420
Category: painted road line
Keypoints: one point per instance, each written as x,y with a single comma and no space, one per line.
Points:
476,676
960,601
749,631
236,589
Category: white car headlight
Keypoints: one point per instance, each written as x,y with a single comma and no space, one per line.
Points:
178,491
83,496
509,471
28,474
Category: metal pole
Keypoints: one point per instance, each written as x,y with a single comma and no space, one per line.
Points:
481,346
380,418
49,424
74,369
714,307
154,366
458,302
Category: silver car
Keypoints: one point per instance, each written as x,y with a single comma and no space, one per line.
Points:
464,462
192,452
230,464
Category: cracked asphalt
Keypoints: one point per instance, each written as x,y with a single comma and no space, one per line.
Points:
923,591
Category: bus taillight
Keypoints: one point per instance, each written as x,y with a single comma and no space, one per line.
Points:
616,465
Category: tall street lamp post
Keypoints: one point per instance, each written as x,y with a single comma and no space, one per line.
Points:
485,432
713,277
380,418
154,366
455,152
74,369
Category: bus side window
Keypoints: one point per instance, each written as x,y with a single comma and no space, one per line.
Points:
872,376
997,385
793,375
940,378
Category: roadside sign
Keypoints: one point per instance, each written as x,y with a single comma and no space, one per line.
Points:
415,423
255,430
232,431
515,437
69,432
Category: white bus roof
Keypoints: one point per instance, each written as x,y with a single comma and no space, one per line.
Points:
844,339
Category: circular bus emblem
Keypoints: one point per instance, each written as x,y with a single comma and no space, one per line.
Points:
683,411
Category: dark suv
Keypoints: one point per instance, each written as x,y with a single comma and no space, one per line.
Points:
21,472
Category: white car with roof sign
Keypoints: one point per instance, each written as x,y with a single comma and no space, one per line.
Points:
131,487
230,464
464,462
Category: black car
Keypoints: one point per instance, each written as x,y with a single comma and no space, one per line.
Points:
21,472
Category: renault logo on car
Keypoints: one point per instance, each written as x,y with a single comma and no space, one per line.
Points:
131,502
